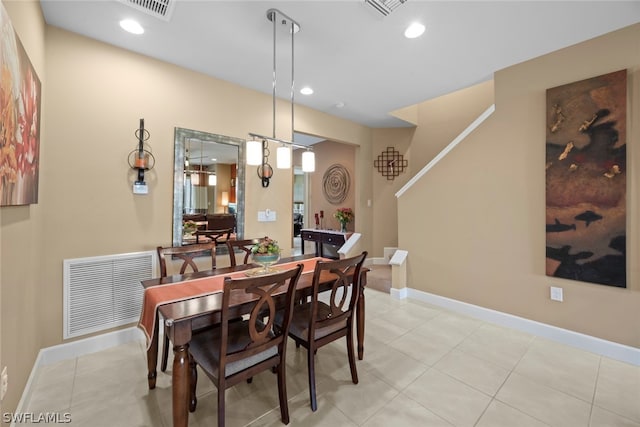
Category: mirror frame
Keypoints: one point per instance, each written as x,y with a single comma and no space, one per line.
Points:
180,136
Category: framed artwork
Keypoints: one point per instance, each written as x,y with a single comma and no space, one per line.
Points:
20,95
586,174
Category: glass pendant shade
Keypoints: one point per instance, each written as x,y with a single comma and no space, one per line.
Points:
254,152
283,157
308,161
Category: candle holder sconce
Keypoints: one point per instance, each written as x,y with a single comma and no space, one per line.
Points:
141,159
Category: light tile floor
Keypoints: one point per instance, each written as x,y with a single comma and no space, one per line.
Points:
423,366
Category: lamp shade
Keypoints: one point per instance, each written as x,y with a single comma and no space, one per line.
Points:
254,152
308,161
213,180
224,198
283,159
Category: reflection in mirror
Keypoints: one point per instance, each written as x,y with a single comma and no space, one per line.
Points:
208,182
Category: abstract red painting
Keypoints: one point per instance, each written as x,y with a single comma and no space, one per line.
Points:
20,94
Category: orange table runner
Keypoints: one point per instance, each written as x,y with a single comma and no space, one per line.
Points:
156,296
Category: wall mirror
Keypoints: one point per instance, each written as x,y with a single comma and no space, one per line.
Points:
208,178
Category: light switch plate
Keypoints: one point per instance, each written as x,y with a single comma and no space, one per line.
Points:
266,216
556,294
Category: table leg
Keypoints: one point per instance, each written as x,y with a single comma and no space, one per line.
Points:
152,357
180,385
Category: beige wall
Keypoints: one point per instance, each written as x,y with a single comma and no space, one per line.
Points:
474,225
440,120
384,206
97,94
20,238
327,154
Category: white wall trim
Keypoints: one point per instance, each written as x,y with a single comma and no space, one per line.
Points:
70,350
477,122
399,293
89,345
596,345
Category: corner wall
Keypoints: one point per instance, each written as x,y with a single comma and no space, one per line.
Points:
20,231
480,211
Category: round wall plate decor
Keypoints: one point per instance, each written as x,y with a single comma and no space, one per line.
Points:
335,184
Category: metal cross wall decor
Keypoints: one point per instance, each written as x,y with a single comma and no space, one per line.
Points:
390,163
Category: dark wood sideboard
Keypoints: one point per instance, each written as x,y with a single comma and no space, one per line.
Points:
323,237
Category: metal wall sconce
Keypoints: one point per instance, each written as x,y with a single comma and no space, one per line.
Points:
141,159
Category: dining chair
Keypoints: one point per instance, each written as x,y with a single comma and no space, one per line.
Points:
316,323
180,259
242,246
235,351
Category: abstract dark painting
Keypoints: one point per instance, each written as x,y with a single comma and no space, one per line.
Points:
20,94
586,173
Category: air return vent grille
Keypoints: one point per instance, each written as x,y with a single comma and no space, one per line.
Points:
162,9
104,292
384,7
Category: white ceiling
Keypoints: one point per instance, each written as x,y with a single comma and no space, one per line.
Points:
346,51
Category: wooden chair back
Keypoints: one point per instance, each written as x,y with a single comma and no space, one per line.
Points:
243,247
169,256
262,334
240,349
343,296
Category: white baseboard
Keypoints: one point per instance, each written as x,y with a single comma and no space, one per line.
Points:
56,353
378,261
89,345
595,345
399,293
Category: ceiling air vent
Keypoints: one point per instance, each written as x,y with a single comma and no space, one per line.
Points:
384,7
162,9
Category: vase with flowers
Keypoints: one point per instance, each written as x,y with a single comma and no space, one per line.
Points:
266,253
189,227
344,216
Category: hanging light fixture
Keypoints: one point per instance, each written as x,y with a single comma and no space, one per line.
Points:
257,146
283,157
308,161
254,152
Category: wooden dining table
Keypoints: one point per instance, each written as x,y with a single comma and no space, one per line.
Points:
190,313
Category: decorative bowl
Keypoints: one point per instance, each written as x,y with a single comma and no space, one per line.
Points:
266,261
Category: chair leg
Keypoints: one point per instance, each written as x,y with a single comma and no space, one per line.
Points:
282,393
165,353
221,391
193,382
352,356
311,367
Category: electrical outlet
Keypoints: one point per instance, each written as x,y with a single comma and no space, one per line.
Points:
556,294
4,383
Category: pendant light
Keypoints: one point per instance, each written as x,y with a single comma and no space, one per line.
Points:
256,147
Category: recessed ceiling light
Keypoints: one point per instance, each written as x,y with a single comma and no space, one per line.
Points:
414,30
306,90
131,26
